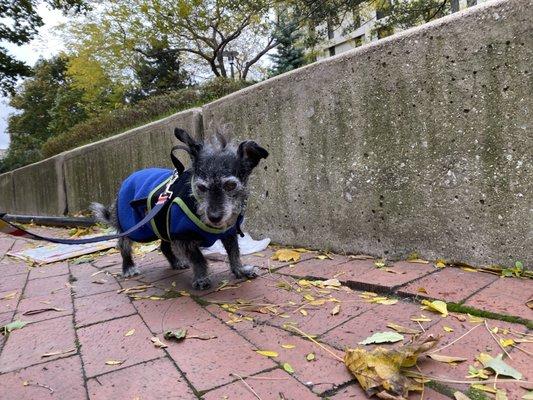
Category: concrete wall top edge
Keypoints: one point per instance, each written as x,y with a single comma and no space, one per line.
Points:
364,49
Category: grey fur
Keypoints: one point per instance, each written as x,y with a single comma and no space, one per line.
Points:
220,174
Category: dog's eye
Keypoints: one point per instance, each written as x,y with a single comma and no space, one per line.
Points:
201,188
229,186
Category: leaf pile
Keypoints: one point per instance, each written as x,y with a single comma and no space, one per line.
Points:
379,372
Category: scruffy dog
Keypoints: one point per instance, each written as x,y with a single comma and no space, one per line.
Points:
207,203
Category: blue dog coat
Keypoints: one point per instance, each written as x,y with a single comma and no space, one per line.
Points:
139,193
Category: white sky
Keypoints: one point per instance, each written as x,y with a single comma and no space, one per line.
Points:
45,45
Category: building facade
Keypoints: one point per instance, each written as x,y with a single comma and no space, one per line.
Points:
362,27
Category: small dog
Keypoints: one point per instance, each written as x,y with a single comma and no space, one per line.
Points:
208,203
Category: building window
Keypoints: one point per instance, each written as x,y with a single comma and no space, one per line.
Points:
332,51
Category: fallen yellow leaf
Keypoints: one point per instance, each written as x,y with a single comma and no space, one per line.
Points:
288,346
447,329
285,255
436,306
303,312
379,372
310,357
113,362
446,359
440,264
422,318
507,342
130,332
403,329
287,367
267,353
475,320
336,309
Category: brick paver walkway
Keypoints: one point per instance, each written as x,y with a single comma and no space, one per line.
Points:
98,342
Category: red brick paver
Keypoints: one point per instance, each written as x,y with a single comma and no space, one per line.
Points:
226,324
505,296
59,379
25,347
106,342
268,385
157,379
450,284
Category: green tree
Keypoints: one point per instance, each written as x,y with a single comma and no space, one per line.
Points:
157,71
289,53
46,106
19,23
406,14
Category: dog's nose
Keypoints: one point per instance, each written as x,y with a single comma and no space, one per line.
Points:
214,216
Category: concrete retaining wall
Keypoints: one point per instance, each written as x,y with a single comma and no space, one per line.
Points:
419,142
94,172
39,188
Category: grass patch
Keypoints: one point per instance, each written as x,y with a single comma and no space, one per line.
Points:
459,308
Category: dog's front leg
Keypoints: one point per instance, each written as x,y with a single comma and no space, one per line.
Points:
231,244
191,252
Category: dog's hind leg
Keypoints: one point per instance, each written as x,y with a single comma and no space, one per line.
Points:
128,267
175,262
231,244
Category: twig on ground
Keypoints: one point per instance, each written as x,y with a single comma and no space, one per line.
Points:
29,383
447,380
317,343
454,341
496,340
248,386
521,349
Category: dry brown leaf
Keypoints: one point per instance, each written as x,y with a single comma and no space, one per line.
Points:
446,359
361,257
418,261
379,371
529,303
57,353
113,362
403,329
9,296
158,343
42,310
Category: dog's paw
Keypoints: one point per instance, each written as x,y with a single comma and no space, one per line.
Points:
131,271
201,283
247,271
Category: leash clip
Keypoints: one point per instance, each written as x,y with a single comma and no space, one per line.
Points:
167,193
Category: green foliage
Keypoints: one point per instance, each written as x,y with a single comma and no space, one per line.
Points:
406,14
289,53
157,71
153,108
19,23
30,126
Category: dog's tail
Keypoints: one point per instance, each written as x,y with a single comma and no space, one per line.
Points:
101,213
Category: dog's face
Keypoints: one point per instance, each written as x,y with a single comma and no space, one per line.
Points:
220,174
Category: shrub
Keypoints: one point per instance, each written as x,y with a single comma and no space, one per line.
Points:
128,117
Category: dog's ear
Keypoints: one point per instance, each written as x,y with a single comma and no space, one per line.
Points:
250,153
183,136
